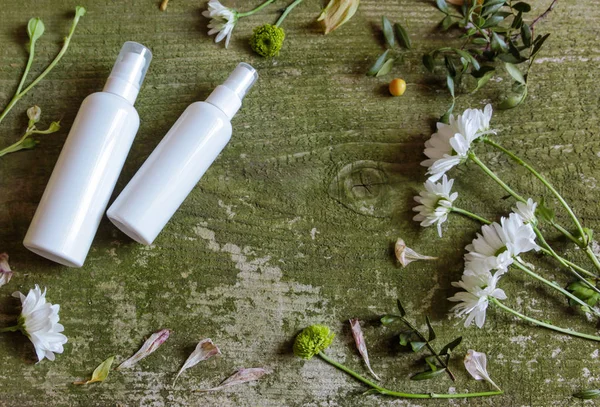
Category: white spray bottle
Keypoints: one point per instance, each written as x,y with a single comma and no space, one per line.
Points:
89,164
179,161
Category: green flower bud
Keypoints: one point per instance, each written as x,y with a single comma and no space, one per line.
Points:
312,340
267,40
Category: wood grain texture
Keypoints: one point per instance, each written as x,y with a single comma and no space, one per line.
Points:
294,223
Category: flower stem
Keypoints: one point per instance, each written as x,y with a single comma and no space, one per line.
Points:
543,180
392,393
254,10
10,329
287,11
470,215
535,275
492,175
544,324
20,93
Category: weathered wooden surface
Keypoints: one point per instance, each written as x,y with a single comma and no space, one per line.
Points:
279,234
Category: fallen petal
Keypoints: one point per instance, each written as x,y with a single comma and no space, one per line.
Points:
5,271
405,255
151,344
205,349
241,376
359,339
476,365
100,373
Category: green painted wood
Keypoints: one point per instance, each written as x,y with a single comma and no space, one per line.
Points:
294,224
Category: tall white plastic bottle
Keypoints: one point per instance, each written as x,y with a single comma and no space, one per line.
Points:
179,161
89,164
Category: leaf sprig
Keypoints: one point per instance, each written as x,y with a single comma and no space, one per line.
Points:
383,65
437,362
494,33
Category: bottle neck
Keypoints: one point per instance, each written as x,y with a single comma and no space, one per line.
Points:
226,100
121,88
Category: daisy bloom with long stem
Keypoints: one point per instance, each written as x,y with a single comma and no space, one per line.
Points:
451,144
223,19
436,202
499,243
479,286
39,322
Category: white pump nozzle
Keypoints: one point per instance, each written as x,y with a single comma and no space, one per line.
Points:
129,71
228,96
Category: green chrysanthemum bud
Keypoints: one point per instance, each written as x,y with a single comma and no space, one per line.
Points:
312,340
267,40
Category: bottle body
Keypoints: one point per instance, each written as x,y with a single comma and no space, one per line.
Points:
170,173
83,179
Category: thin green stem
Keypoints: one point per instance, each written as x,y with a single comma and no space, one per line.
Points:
287,11
565,232
254,10
471,215
27,67
542,179
41,76
10,329
590,253
544,324
16,146
392,393
492,175
550,284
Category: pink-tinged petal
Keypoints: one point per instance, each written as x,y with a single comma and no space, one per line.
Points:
205,349
241,376
361,345
5,272
151,345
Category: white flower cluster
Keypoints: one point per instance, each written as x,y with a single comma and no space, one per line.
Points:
488,258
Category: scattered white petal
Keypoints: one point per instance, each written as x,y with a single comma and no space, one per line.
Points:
476,365
241,376
151,344
205,349
359,340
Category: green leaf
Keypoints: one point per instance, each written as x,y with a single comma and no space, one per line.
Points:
378,64
483,80
389,319
386,68
400,308
487,10
450,83
388,31
432,335
428,374
448,348
406,337
537,45
587,394
511,102
35,29
101,372
518,21
428,62
489,3
446,23
450,66
470,58
522,7
480,41
441,4
492,21
515,73
403,35
584,292
498,44
526,35
431,362
417,345
589,235
543,212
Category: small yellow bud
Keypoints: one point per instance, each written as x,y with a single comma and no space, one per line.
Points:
397,87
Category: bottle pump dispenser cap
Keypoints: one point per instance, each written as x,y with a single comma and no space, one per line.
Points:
228,96
129,71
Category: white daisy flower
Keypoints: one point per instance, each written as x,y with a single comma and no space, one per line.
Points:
479,286
499,243
223,20
452,142
476,365
526,211
435,203
39,321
